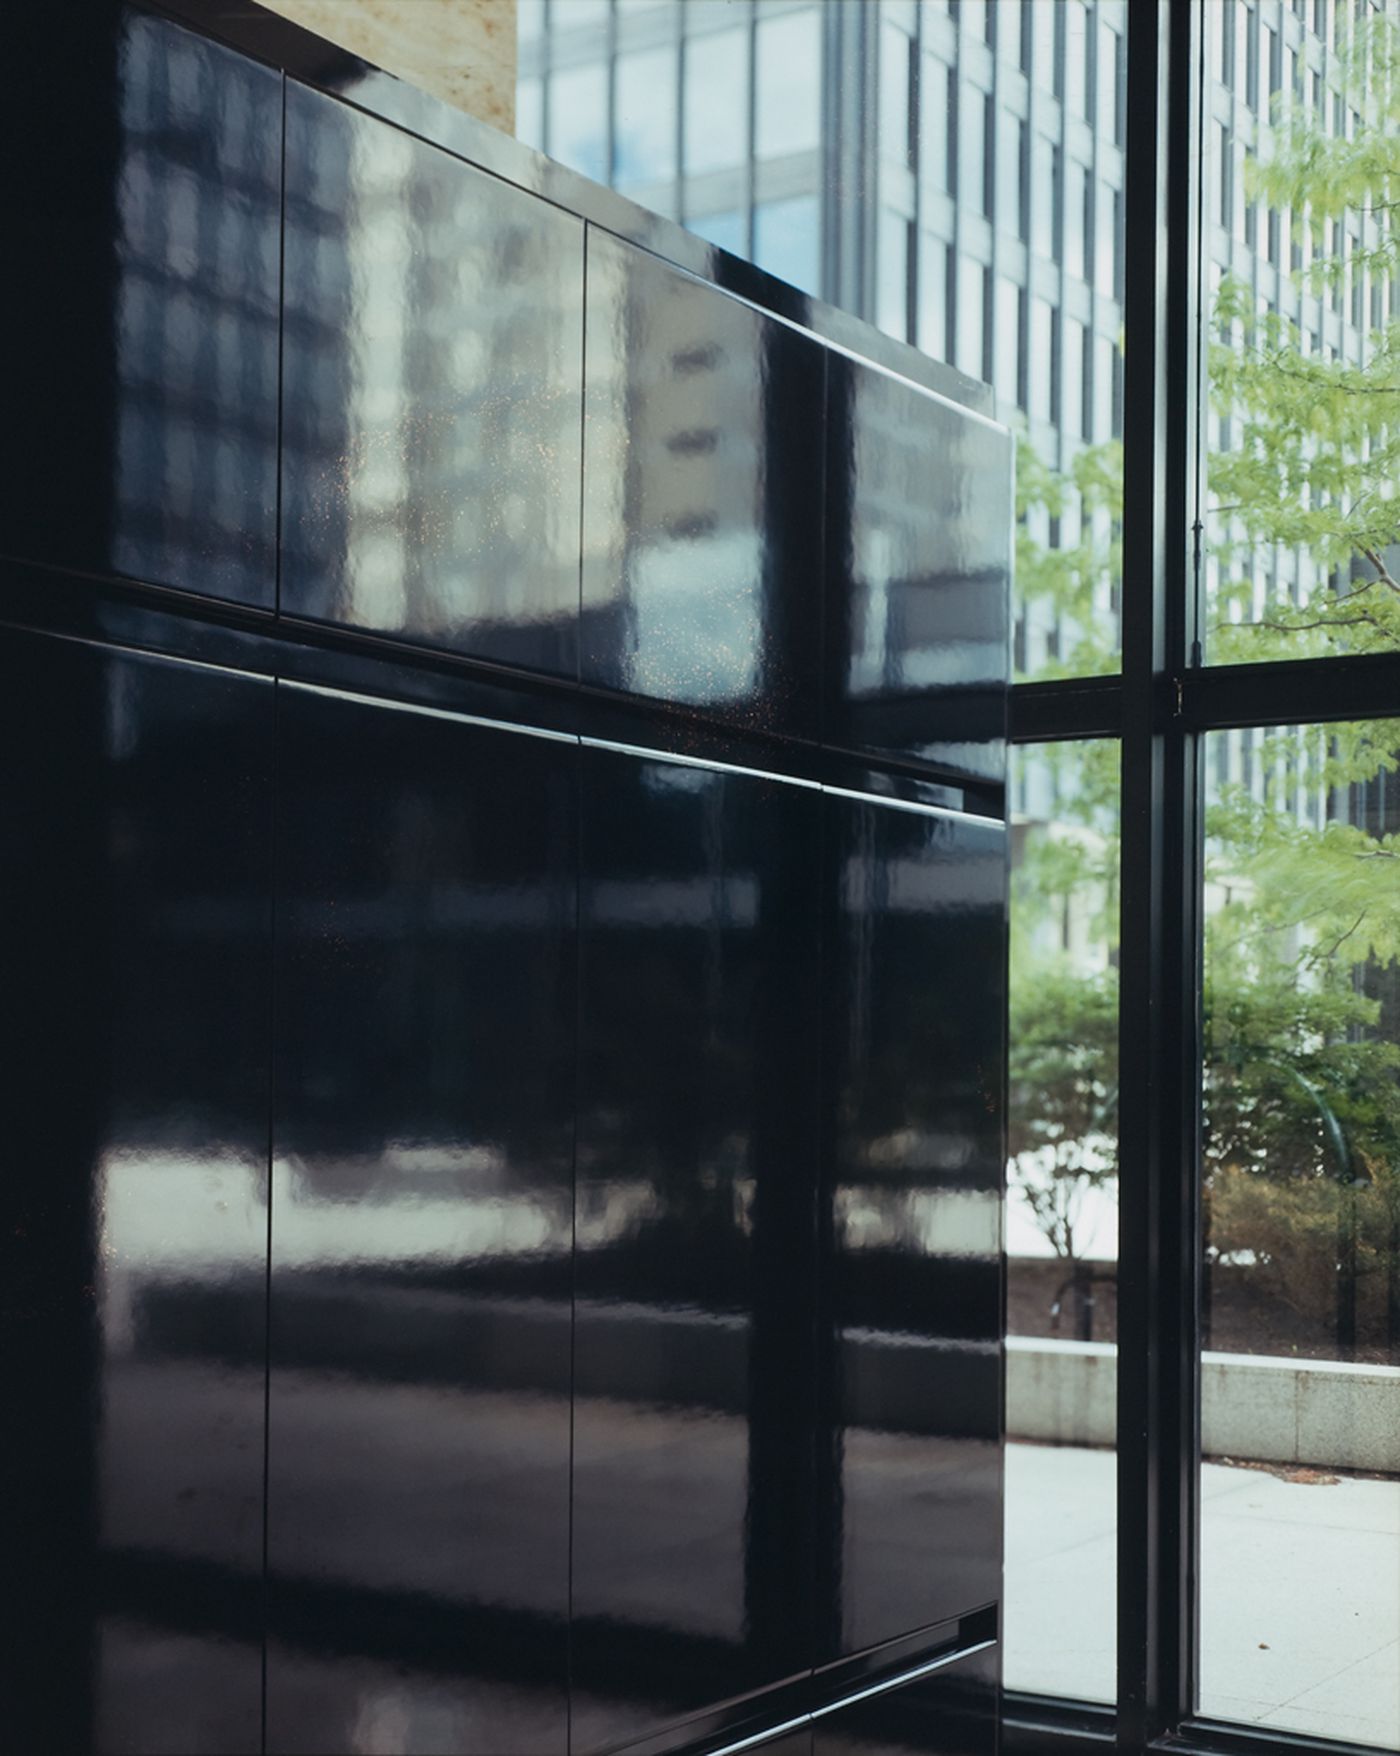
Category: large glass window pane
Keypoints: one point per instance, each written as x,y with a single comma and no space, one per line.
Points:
1300,1522
1076,219
972,154
1077,41
578,120
1010,386
1044,170
972,283
529,112
936,85
893,311
933,297
644,118
566,15
896,51
727,229
1062,1222
716,101
787,107
1304,380
787,240
1043,22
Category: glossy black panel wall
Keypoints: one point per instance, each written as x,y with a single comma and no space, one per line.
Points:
697,1137
507,1117
135,854
952,1712
142,221
701,558
918,559
432,384
914,1008
418,1485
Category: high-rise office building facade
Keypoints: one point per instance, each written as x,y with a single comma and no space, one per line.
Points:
953,170
953,173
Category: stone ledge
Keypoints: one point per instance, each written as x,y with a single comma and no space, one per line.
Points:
1324,1413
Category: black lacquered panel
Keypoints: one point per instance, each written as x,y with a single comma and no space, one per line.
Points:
433,388
142,228
422,1224
919,560
952,1712
914,961
696,1196
135,872
703,480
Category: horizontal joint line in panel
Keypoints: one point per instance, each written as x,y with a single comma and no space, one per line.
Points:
911,805
787,780
128,649
787,1725
447,713
900,1678
822,341
883,1687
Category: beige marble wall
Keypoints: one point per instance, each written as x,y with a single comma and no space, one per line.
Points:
460,50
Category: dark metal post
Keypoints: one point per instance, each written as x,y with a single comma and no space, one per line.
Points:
1159,1249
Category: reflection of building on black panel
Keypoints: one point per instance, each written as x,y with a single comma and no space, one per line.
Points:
701,558
431,409
197,316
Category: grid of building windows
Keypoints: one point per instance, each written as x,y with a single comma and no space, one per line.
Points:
952,172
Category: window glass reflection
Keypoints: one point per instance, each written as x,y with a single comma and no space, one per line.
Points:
725,229
786,240
1300,1524
775,162
787,105
578,128
716,100
644,127
1062,1222
1304,363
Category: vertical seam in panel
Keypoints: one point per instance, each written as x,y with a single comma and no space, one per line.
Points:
824,583
824,1575
573,1232
582,447
273,865
281,354
816,1446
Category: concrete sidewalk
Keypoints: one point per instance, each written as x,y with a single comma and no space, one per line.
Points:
1300,1592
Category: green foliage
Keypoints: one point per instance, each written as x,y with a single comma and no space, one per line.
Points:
1291,1233
1066,579
1313,452
1063,1099
1302,1073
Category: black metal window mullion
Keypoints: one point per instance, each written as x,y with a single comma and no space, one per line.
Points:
1158,1297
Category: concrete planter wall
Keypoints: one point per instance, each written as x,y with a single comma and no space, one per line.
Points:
1317,1412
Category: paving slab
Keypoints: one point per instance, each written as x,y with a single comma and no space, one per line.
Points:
1300,1592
